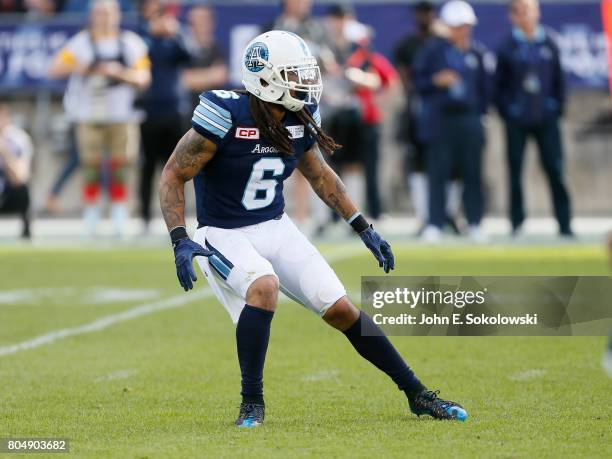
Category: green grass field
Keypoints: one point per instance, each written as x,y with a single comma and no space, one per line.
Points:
165,383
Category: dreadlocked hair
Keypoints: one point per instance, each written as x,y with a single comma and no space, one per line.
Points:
326,143
277,134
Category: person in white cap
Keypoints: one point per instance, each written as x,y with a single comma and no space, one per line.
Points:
453,82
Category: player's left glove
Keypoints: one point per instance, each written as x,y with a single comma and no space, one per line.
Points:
379,247
184,251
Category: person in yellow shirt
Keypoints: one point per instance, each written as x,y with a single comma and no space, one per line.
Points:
105,67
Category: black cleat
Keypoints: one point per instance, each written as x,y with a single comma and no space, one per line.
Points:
251,415
428,402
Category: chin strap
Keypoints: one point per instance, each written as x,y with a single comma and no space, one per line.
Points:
291,101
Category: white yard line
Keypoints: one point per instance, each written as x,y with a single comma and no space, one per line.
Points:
105,322
121,374
527,375
138,311
321,376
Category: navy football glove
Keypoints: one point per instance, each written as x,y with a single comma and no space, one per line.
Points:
379,247
184,251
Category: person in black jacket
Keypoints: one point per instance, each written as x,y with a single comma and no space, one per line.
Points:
424,13
530,96
163,102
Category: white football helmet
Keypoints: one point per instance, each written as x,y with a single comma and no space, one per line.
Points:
276,64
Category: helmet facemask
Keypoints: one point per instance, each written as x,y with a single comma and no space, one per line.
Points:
301,84
291,85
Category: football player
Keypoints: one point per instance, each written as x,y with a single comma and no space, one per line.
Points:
241,148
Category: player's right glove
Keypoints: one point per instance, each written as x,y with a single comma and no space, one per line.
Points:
184,251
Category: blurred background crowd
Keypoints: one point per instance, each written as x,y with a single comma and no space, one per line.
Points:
438,106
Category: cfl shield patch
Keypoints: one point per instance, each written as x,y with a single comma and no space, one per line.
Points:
296,132
253,57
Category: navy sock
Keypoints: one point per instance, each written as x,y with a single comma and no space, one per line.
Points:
252,336
379,351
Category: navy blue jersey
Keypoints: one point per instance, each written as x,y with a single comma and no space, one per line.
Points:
243,184
530,85
470,95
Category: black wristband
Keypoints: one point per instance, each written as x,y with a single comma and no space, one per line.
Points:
359,224
178,233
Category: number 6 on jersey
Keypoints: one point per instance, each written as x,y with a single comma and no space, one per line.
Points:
252,199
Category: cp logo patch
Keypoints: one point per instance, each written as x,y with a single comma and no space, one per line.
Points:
247,133
257,52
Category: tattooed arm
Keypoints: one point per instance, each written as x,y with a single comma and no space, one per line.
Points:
190,155
326,183
332,191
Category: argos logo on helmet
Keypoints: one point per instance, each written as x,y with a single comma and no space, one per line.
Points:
254,53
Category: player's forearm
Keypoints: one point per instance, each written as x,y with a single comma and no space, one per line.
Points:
332,192
172,198
190,155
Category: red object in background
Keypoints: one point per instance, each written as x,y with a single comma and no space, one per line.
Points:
91,192
173,9
117,188
366,59
606,15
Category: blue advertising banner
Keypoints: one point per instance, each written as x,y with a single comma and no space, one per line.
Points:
26,48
